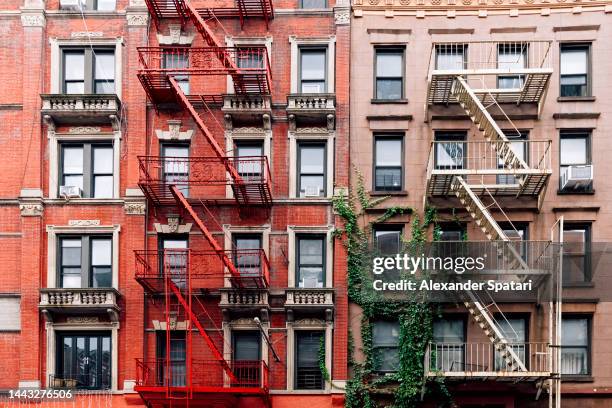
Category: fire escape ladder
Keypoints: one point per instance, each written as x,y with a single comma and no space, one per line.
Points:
193,318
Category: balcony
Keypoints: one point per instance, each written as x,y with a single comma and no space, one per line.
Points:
309,299
498,71
235,300
204,179
480,165
80,109
202,269
79,301
310,108
248,108
479,361
205,382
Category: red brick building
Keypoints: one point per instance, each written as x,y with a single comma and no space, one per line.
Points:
227,289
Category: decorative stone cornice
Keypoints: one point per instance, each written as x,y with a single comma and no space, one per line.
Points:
31,202
342,15
481,8
173,226
137,18
175,36
174,132
134,208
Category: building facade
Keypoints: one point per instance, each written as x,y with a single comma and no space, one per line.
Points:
486,111
169,231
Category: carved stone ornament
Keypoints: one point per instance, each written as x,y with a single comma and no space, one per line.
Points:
137,19
83,319
33,19
309,322
85,34
342,16
84,130
31,209
174,132
83,223
173,224
134,208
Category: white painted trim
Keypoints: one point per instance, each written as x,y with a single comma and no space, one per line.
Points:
248,134
239,325
228,230
57,43
330,43
52,329
292,231
327,136
292,327
245,41
53,231
54,142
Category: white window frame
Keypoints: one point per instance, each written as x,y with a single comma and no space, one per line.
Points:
296,43
308,325
52,238
248,134
243,324
293,231
17,328
56,57
243,42
55,140
53,328
228,234
323,135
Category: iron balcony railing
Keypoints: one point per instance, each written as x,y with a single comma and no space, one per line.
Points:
202,373
200,177
485,359
203,268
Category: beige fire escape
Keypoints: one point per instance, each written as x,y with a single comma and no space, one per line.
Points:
486,79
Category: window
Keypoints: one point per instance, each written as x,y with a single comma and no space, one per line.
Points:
574,71
83,361
519,232
176,166
175,374
250,57
312,164
88,166
310,261
450,150
449,336
246,356
576,253
389,73
388,239
452,231
178,59
247,258
388,158
310,4
98,5
174,257
511,56
308,375
10,318
88,71
451,56
85,261
313,67
385,345
518,144
515,331
250,162
575,151
575,345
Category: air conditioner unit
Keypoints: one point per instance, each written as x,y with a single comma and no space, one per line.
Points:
312,191
71,192
70,4
574,177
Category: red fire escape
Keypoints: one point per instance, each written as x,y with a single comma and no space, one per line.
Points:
183,277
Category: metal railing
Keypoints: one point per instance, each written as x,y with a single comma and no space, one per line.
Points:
201,373
500,56
485,359
181,264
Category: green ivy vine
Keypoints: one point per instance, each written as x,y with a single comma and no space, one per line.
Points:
415,315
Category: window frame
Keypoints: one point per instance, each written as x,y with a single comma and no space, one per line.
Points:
375,167
511,135
298,264
386,346
589,346
390,50
89,79
161,352
252,143
299,145
99,335
301,5
588,241
312,48
389,228
88,166
162,152
86,259
586,134
464,55
519,77
456,136
526,317
298,335
464,321
589,60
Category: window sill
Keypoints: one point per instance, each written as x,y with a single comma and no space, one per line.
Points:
576,192
577,378
375,193
576,99
574,285
389,101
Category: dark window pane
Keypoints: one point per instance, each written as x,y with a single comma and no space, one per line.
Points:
246,345
308,373
385,341
313,4
85,362
387,241
575,346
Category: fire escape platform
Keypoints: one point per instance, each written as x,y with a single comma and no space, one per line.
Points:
161,9
533,90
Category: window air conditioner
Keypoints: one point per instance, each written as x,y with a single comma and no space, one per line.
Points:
312,191
574,177
70,4
71,192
